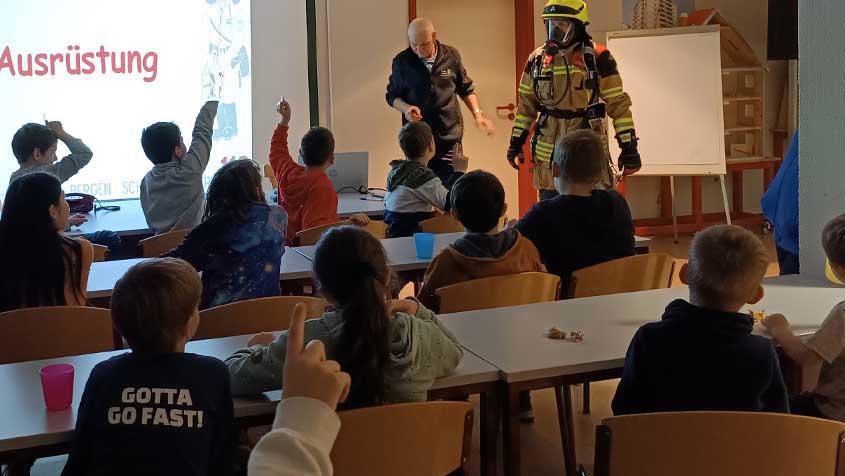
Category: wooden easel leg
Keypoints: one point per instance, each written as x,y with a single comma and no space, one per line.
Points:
674,209
725,199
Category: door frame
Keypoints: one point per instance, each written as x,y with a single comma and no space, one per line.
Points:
524,35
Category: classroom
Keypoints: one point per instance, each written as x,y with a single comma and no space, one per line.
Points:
422,237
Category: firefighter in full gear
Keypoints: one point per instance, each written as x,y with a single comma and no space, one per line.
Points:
569,84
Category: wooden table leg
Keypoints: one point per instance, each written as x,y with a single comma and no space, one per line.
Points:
510,430
489,428
563,396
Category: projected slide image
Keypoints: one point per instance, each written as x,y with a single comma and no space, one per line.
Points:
107,69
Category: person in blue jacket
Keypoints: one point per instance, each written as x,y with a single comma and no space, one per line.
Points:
780,206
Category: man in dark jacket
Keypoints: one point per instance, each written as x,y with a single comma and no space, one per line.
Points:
702,356
425,83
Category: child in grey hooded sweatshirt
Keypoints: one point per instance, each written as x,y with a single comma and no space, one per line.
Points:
171,193
394,350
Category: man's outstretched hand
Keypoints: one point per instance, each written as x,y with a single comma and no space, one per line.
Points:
307,373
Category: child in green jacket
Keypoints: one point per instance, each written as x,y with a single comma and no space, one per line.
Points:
394,350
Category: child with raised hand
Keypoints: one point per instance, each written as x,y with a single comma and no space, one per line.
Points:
702,356
157,409
306,193
172,194
45,267
414,192
239,245
826,346
34,145
306,424
394,350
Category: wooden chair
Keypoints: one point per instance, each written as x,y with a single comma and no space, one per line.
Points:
413,439
101,253
312,235
498,291
441,224
271,175
52,332
624,275
255,315
723,443
158,245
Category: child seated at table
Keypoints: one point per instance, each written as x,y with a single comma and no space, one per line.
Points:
157,409
238,246
701,355
394,350
306,193
44,267
35,145
413,190
172,192
478,202
582,226
826,347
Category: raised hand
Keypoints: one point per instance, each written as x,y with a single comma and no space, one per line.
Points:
283,108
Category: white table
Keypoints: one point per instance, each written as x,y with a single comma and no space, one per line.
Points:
130,219
28,430
349,204
514,339
296,264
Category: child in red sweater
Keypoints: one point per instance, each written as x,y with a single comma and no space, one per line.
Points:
306,193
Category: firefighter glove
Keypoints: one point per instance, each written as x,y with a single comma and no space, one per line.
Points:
629,160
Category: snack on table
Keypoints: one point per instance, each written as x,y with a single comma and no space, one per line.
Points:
555,333
757,315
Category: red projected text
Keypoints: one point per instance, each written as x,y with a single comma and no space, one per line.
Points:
75,62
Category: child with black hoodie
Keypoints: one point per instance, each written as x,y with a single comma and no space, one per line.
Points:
582,226
478,202
701,355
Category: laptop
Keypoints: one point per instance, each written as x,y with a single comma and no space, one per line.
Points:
350,172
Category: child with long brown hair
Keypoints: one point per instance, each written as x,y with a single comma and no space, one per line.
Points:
394,350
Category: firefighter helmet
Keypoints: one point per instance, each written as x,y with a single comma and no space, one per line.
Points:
567,9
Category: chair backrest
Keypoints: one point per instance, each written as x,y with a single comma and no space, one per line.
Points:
312,235
101,253
499,291
255,315
723,443
52,332
441,224
624,275
412,439
271,175
158,245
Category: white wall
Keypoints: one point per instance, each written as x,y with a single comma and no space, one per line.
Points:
357,41
821,120
279,61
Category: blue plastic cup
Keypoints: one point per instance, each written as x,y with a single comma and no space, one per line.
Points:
424,245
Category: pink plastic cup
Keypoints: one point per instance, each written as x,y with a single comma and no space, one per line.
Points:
57,384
